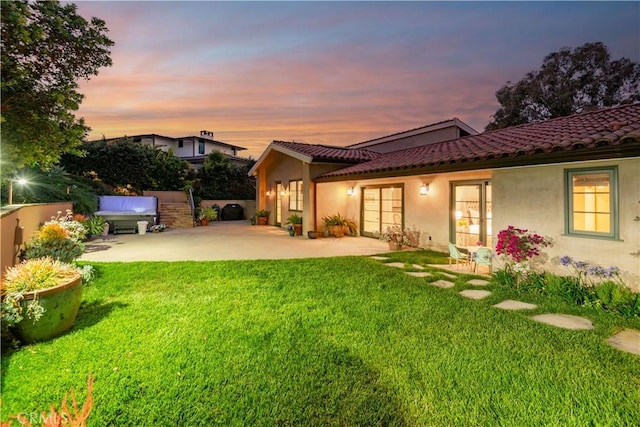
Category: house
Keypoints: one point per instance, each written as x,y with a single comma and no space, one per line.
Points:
574,179
193,149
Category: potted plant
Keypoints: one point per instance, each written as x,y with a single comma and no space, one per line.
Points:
395,237
337,225
97,226
262,216
295,221
207,214
40,298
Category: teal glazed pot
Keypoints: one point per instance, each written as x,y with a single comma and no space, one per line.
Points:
61,304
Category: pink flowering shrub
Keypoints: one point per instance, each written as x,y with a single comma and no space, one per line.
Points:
519,244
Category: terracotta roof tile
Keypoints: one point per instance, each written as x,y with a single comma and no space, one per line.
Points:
328,153
607,127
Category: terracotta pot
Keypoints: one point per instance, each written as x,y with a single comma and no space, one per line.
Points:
337,230
204,221
262,220
298,229
394,246
61,304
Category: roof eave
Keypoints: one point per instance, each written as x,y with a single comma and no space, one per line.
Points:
612,152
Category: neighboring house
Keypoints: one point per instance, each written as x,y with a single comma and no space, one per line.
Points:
193,149
574,179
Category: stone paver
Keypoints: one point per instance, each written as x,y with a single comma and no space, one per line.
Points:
475,294
442,284
515,305
626,340
478,282
379,258
395,264
417,266
450,276
418,273
565,321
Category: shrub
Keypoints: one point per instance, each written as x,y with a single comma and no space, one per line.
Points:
66,250
520,245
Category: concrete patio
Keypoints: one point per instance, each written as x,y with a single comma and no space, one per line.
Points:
224,240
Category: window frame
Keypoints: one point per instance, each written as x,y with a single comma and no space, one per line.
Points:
614,207
201,147
294,203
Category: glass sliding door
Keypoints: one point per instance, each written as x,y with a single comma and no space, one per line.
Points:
471,213
382,207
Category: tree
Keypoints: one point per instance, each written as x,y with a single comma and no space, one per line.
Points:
126,164
45,49
220,178
569,82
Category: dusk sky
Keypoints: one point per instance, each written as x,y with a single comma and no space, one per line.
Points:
333,73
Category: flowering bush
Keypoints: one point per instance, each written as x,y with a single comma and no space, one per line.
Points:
59,239
591,274
395,234
519,244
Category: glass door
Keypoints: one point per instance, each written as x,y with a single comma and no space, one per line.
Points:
279,191
382,207
471,214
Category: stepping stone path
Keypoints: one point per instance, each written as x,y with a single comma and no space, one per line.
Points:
626,340
475,294
515,305
395,264
418,273
478,282
565,321
442,284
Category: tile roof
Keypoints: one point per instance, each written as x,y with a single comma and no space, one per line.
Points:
328,153
533,143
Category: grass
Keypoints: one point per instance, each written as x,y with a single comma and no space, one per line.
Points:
332,341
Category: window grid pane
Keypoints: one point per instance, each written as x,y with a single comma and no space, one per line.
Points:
591,202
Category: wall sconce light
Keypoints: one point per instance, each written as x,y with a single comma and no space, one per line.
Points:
349,191
424,189
283,192
268,193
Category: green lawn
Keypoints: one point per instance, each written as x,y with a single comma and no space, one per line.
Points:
341,341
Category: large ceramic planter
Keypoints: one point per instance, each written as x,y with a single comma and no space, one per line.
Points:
337,230
262,220
298,229
61,304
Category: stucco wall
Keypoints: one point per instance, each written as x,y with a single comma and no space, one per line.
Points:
29,217
429,213
533,198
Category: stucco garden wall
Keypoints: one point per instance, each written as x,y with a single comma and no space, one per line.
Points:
533,198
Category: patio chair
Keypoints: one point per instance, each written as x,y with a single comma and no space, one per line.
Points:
461,258
482,257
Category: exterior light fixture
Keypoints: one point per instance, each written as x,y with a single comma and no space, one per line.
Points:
349,191
283,192
424,189
20,181
268,193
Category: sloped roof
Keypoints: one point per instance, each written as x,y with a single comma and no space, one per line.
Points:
589,135
329,153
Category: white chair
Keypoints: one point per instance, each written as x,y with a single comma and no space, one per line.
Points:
482,257
460,257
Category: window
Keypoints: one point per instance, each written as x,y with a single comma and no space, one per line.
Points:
180,143
591,201
200,147
295,195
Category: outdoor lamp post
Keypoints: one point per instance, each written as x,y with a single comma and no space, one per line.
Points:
20,181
